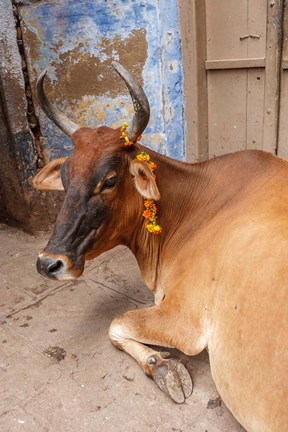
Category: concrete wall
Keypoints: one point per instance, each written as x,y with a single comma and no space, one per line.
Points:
17,153
76,41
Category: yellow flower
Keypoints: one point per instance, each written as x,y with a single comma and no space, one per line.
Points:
157,229
125,125
143,157
154,229
150,227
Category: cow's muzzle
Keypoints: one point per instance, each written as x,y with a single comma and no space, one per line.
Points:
57,267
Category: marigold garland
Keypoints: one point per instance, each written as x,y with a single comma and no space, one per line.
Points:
124,136
150,212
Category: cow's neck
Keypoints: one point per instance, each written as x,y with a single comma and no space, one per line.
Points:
179,186
191,195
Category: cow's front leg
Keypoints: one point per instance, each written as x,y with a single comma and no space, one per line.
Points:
154,327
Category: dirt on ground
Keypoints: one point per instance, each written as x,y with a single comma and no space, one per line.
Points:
58,370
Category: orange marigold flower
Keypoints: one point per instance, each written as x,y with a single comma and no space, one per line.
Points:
148,202
153,208
128,143
147,214
153,166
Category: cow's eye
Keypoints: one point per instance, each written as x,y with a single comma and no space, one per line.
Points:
109,183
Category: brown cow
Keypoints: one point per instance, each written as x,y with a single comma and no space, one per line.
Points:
218,270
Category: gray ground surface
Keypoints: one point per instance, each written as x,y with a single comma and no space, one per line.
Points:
58,370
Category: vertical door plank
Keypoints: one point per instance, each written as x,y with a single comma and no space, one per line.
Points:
226,23
272,87
227,107
257,17
192,17
227,111
255,114
256,47
283,120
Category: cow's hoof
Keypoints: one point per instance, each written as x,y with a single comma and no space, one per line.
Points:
172,377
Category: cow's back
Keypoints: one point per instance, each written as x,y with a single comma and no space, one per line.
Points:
248,326
236,268
249,309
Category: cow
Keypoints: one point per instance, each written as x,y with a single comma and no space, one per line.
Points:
217,262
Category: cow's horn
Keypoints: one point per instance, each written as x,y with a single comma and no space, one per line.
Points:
63,122
140,102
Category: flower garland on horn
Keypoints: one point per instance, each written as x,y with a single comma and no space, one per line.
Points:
150,212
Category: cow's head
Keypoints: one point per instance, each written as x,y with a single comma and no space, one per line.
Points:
103,184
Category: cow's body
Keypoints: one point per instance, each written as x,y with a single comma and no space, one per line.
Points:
223,270
226,273
218,270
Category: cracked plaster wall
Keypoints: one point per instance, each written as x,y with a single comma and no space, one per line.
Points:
76,41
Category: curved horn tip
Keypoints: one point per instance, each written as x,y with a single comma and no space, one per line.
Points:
140,101
43,73
115,64
42,76
52,112
120,69
124,73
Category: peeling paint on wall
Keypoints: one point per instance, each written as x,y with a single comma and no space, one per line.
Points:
76,41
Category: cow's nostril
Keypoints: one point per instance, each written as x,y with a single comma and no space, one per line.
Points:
54,267
50,267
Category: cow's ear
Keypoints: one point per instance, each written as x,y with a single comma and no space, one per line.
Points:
144,180
48,178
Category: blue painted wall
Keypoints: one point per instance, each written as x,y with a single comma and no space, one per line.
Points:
65,36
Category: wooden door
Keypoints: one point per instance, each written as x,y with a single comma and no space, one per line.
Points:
232,52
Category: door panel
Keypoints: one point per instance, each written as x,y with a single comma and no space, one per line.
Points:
239,76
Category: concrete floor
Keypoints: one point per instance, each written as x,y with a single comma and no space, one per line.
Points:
58,370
